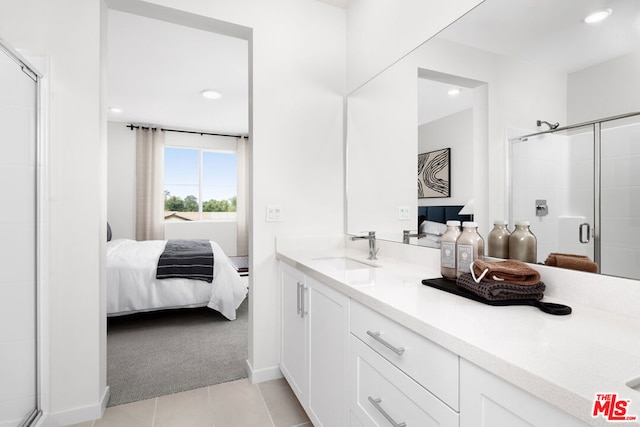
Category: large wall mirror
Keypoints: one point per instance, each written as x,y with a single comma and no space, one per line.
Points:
455,102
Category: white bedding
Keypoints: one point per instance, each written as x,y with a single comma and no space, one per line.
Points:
132,285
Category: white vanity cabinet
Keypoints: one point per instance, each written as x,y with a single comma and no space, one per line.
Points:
488,401
398,376
315,346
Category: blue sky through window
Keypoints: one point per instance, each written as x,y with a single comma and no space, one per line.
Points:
181,173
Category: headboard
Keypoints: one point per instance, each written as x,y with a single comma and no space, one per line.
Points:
440,214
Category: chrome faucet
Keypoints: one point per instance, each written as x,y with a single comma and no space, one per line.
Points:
406,235
371,237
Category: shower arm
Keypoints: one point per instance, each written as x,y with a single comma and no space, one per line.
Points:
551,126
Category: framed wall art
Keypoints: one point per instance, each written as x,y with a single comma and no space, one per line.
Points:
434,174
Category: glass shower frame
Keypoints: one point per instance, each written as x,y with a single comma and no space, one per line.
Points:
32,417
598,129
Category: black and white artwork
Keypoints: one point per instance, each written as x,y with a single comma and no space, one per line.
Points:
434,174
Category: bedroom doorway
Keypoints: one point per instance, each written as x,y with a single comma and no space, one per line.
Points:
181,47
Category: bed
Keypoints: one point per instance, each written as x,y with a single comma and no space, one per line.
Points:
132,285
432,222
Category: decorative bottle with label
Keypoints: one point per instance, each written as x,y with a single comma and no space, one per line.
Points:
523,245
448,250
498,240
469,247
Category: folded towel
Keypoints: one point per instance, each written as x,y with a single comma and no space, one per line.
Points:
510,271
572,262
501,291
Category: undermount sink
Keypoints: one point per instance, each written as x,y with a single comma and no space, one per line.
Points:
634,384
343,263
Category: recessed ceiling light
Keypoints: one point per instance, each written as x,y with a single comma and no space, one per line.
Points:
597,16
453,92
115,110
211,94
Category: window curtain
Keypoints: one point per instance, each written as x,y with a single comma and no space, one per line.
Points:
242,208
149,184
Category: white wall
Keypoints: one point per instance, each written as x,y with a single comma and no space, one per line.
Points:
121,180
383,131
454,131
297,85
604,90
380,32
224,233
68,32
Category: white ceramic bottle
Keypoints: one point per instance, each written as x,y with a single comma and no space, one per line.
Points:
469,247
448,250
523,245
498,240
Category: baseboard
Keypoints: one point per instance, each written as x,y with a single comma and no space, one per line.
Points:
261,375
80,415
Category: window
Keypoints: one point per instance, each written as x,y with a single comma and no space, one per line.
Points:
199,184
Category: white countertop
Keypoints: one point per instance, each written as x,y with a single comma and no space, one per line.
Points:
564,360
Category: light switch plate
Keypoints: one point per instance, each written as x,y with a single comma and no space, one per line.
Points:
403,212
274,213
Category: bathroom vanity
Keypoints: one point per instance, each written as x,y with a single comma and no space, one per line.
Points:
364,343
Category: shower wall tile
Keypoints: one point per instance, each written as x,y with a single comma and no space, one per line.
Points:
17,370
14,410
18,136
15,85
16,306
13,263
18,205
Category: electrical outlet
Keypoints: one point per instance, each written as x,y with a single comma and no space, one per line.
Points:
403,212
274,213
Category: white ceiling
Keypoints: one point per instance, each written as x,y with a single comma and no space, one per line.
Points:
157,70
550,33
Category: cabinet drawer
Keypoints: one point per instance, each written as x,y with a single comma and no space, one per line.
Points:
381,395
432,366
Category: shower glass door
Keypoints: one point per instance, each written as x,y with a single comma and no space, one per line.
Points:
18,224
620,197
555,171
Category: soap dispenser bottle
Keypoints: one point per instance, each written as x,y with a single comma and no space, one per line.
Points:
523,245
469,247
448,250
498,240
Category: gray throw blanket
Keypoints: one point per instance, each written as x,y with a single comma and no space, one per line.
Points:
186,259
501,291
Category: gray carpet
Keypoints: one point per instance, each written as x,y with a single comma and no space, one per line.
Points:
159,353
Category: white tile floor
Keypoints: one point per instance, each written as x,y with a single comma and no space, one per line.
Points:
234,404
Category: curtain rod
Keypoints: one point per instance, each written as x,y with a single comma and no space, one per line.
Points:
132,127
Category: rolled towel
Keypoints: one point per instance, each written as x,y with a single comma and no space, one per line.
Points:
509,271
501,291
572,262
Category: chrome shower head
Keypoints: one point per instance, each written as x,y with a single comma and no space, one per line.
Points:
551,126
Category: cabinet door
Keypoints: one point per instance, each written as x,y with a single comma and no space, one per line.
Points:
328,324
293,351
488,401
382,395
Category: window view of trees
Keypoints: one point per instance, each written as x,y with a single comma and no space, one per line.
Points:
190,204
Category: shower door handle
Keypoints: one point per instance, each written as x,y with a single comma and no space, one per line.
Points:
582,233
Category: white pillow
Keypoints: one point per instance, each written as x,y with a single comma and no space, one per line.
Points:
433,228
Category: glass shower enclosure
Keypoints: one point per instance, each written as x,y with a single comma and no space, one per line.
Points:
579,187
19,85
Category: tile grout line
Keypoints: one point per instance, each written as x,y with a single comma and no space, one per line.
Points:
210,404
155,409
264,402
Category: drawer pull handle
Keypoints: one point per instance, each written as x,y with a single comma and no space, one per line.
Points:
376,336
376,404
